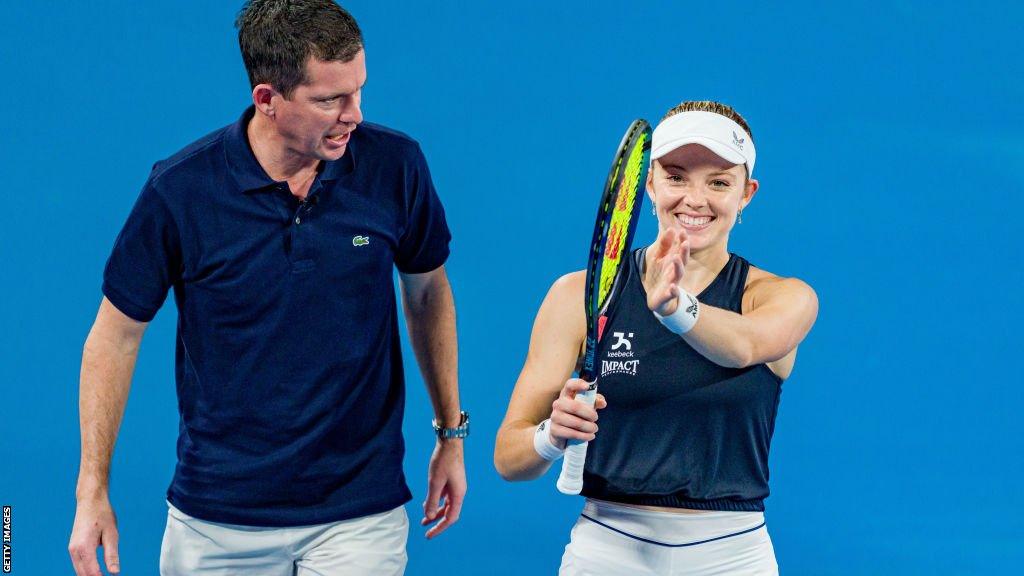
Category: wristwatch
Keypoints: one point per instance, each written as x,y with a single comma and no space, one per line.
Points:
460,431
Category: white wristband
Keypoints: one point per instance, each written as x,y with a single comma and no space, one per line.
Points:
542,442
685,317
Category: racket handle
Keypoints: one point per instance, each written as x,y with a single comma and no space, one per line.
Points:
570,481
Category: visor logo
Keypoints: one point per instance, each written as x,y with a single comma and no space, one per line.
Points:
360,240
738,141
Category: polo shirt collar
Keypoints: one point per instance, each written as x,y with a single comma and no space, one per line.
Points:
341,166
248,173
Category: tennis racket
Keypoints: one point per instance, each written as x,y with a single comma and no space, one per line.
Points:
617,216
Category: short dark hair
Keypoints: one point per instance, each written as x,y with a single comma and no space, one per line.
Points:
277,37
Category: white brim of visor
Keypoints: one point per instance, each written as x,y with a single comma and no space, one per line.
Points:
713,131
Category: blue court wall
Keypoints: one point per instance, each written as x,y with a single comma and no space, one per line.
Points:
890,163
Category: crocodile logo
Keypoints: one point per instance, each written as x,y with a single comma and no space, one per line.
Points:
360,240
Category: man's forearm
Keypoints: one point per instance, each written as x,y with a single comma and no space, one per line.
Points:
107,365
430,316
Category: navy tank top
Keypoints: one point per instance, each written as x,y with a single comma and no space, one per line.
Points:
679,430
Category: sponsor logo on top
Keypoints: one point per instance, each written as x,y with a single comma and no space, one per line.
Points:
620,357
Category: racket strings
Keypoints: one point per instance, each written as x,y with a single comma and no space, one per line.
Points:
622,221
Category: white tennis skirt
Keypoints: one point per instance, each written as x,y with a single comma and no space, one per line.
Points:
612,539
371,545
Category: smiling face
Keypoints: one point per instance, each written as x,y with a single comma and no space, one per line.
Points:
316,121
694,189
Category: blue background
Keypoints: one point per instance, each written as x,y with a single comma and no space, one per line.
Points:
890,166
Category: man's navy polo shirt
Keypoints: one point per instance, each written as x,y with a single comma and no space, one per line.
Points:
288,368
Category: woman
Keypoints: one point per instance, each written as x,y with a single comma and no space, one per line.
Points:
693,354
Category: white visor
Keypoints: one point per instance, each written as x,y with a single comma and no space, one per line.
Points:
713,131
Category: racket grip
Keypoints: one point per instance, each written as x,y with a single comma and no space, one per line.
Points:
570,480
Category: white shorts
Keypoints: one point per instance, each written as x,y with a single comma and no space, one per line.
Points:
611,539
372,544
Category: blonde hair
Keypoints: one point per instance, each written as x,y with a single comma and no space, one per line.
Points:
710,106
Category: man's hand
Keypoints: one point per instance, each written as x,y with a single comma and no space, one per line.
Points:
670,257
95,525
446,479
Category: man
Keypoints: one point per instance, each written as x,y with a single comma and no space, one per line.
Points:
278,235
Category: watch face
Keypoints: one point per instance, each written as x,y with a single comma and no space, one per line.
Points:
460,431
